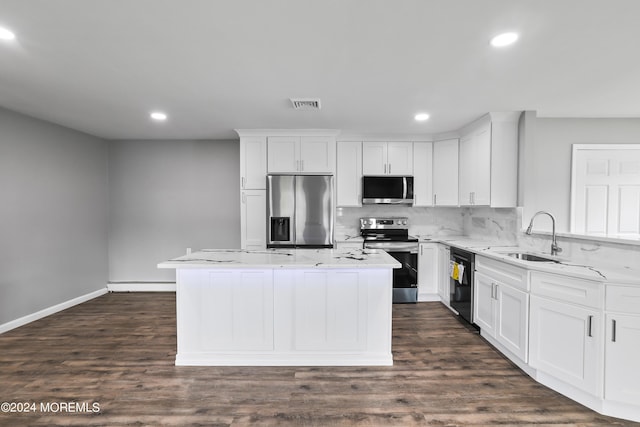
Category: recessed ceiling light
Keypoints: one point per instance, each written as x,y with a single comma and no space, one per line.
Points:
159,116
6,34
504,39
421,117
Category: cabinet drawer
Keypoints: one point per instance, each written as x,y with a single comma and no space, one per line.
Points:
568,289
624,299
504,272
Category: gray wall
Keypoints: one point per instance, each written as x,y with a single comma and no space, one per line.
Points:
166,196
546,167
53,215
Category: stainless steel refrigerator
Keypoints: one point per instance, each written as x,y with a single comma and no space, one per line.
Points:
300,211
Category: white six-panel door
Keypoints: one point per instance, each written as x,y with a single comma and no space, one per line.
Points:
606,190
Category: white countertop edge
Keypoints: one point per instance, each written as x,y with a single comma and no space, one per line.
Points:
168,264
284,259
618,275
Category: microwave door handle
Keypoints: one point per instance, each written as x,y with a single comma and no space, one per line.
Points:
404,187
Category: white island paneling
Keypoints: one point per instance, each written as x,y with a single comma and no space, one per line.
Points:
284,307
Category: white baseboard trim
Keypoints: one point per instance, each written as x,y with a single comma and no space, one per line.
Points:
425,297
50,310
141,287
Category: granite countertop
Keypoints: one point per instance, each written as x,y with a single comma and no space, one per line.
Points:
602,272
283,258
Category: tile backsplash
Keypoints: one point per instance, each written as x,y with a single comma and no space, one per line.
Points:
502,225
422,220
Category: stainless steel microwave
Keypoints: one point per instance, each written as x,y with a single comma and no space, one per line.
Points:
387,190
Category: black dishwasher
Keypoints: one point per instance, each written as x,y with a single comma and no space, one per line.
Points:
461,285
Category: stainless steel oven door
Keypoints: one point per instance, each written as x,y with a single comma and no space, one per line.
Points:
405,279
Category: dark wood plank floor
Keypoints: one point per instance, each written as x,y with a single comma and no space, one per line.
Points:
118,351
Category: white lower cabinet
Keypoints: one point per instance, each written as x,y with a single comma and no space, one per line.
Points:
484,306
566,343
502,312
253,219
428,264
622,353
444,283
622,345
573,335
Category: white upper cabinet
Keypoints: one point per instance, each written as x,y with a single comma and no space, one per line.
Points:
445,173
349,174
489,161
253,219
423,174
253,163
387,158
475,165
301,154
283,154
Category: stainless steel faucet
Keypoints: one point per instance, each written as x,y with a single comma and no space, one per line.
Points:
555,249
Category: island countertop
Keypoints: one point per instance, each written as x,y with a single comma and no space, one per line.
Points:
284,259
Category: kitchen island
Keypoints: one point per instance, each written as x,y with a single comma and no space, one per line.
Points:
284,307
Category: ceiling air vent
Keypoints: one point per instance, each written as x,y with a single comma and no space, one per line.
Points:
306,103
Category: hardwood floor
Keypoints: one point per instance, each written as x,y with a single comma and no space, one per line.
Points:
118,350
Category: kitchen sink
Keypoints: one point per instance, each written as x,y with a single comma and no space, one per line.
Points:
530,257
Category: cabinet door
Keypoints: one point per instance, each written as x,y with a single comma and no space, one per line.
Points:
253,163
349,174
445,173
565,342
475,167
482,177
512,320
282,154
466,165
253,219
444,283
423,173
484,311
400,158
622,376
317,154
428,272
374,158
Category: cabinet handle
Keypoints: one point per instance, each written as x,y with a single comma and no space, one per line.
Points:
434,199
613,331
421,247
244,198
242,181
589,324
385,168
389,168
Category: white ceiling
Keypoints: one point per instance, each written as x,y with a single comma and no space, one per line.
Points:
100,66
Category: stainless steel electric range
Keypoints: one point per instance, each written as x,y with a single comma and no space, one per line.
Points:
392,235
